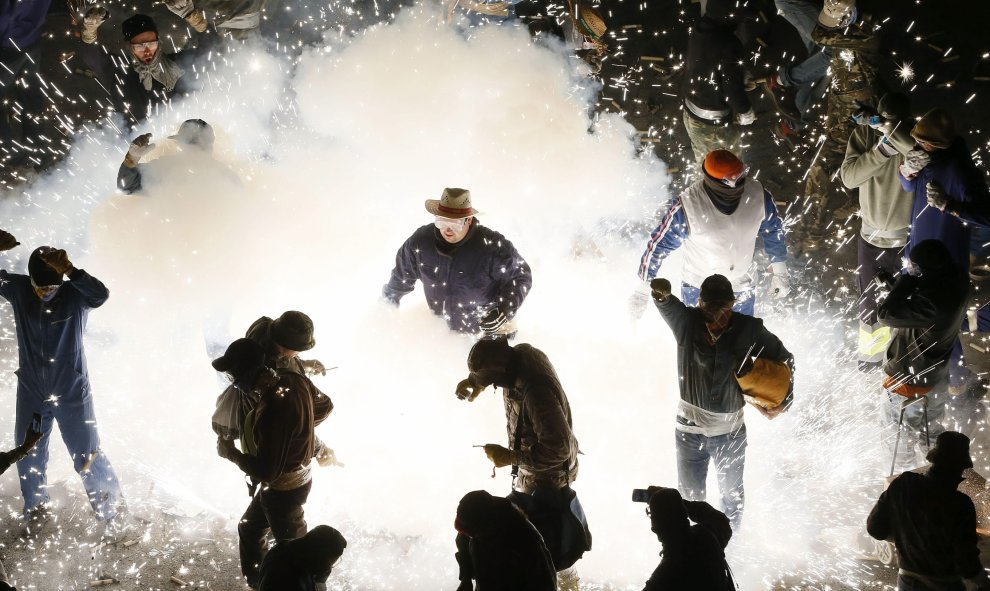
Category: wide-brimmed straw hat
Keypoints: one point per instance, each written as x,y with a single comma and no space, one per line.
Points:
453,203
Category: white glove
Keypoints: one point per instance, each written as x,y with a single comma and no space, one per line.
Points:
638,301
936,196
914,161
138,149
780,280
180,8
746,118
94,17
326,457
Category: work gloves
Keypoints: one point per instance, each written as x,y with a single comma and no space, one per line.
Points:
747,118
914,161
468,390
780,280
499,455
325,456
638,301
492,321
313,367
186,10
58,260
139,149
936,196
660,288
7,241
226,449
94,17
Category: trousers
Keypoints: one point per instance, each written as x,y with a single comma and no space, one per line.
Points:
76,420
277,511
728,452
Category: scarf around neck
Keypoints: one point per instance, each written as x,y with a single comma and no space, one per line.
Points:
161,68
716,327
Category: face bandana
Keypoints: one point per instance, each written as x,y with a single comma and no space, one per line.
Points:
161,69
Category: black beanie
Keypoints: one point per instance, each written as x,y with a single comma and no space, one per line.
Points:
717,289
39,271
241,357
933,258
137,24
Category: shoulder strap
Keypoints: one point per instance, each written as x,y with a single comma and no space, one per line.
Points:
517,437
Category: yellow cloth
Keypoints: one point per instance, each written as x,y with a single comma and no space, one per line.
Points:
767,383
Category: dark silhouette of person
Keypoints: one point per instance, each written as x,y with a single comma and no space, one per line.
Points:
693,556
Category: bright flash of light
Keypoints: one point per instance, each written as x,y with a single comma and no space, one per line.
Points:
906,72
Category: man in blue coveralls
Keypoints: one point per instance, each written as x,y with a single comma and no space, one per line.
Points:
52,379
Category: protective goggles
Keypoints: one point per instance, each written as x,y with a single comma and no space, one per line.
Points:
44,291
146,45
455,225
734,180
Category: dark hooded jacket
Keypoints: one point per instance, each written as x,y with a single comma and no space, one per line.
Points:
926,313
696,562
932,524
461,281
501,550
303,563
965,184
51,359
713,76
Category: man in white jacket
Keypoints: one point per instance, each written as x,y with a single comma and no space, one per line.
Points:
716,222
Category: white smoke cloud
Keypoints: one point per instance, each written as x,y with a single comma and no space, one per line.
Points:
317,179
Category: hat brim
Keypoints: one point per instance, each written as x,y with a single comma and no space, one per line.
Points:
433,206
222,364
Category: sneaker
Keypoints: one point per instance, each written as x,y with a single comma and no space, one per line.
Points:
782,97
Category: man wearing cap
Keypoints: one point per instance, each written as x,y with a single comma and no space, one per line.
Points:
472,275
714,343
52,379
876,148
194,135
277,445
950,192
716,222
303,564
855,70
282,340
150,76
543,450
715,102
932,524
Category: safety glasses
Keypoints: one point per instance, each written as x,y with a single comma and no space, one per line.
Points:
146,45
733,181
456,225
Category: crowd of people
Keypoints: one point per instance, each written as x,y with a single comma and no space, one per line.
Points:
925,216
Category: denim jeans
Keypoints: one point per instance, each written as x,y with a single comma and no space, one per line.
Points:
745,300
728,451
808,76
913,428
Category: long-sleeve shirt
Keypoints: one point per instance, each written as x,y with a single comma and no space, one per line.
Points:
953,170
885,205
50,352
675,228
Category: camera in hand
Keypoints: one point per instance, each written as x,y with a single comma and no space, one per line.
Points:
642,495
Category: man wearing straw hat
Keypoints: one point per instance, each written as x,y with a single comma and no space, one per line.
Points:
472,276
